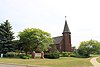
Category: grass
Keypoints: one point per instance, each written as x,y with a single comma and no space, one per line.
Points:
98,59
61,62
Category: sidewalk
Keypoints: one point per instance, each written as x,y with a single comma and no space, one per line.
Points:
94,62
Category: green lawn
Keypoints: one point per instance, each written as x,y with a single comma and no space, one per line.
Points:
62,62
98,59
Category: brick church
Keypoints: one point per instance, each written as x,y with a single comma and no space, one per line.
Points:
63,42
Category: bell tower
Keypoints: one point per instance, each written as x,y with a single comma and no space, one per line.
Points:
66,38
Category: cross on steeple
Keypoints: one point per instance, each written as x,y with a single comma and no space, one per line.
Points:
65,17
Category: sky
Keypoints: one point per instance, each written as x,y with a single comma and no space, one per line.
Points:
83,17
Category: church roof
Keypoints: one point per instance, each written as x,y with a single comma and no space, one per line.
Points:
58,39
66,28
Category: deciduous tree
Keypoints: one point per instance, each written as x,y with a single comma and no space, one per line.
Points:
35,40
89,47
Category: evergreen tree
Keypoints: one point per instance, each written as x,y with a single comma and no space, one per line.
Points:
6,37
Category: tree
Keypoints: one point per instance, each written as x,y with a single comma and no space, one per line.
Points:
6,37
17,46
96,47
35,40
88,47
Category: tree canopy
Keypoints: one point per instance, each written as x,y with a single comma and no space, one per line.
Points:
35,40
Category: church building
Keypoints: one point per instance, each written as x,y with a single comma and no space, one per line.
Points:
63,43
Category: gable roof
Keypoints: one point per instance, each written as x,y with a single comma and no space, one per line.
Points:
58,39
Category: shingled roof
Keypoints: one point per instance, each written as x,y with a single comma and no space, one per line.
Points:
58,39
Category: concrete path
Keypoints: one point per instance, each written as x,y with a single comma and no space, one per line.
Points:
94,62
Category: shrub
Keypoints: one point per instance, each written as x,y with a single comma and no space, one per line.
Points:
52,55
72,55
82,54
67,54
23,56
64,54
78,55
10,54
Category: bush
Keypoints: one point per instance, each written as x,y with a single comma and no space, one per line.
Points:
76,53
67,54
83,54
64,54
10,54
52,55
72,55
23,56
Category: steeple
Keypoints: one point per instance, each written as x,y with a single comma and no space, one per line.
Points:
66,28
66,38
